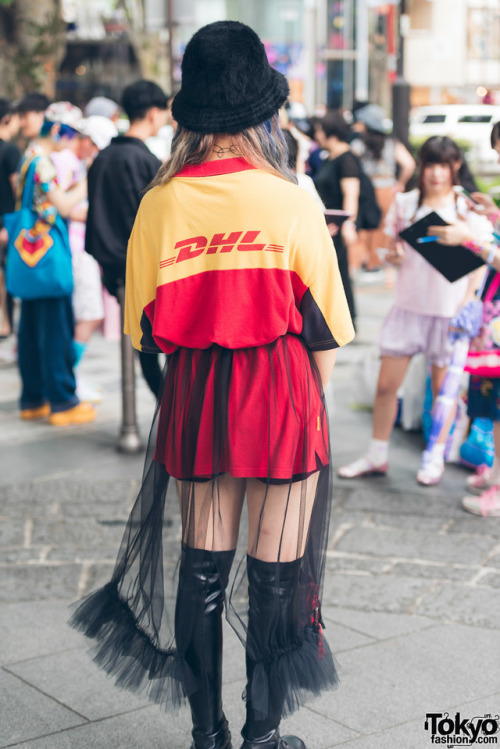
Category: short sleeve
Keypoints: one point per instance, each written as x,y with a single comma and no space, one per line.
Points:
319,290
12,159
348,166
141,280
45,175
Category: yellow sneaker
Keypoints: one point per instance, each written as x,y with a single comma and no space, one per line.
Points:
32,414
80,414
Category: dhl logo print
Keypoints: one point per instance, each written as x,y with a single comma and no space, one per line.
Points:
242,241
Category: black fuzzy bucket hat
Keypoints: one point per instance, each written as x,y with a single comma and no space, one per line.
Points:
228,84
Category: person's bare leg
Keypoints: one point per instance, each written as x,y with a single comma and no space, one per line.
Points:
375,461
278,518
211,512
392,373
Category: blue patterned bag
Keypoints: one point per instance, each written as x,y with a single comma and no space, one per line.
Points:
38,262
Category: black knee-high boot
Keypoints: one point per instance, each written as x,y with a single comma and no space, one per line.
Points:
272,630
203,577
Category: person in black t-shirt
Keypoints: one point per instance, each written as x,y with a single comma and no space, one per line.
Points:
9,162
116,182
338,182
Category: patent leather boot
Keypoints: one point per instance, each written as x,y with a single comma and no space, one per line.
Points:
272,592
203,577
219,740
274,741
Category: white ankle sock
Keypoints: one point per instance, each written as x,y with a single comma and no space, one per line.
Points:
378,451
437,454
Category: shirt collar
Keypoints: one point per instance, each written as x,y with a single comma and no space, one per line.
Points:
215,168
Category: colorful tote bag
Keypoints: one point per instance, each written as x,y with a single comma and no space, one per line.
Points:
483,358
38,253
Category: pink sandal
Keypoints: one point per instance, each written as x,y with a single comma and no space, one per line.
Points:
486,504
480,481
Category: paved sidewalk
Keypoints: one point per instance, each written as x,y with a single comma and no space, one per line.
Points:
411,601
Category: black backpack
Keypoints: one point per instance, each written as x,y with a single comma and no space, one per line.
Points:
369,211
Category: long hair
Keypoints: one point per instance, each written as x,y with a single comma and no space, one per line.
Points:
374,142
438,150
263,146
495,134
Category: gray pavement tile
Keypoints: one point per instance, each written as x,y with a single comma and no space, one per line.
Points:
76,490
408,544
399,680
318,731
494,561
73,680
377,625
461,603
342,638
399,501
475,525
338,561
16,554
99,575
29,582
372,593
414,521
408,736
11,532
26,713
434,571
85,533
32,630
82,553
146,727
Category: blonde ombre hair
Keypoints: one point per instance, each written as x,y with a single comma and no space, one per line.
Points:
262,146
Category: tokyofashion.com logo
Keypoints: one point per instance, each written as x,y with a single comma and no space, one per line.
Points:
458,731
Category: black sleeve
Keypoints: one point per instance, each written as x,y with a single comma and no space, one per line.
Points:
11,159
348,166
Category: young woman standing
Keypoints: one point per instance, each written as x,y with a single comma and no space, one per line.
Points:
231,272
424,304
484,391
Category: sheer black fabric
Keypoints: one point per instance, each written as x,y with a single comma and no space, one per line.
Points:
221,413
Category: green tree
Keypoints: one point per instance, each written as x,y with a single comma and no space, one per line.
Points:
32,43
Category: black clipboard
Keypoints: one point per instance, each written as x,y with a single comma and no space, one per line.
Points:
453,261
337,217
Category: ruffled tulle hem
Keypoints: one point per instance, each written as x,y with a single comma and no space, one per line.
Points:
298,674
125,652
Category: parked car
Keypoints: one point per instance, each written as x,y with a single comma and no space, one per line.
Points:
469,124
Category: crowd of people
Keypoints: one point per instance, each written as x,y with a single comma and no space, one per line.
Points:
220,262
94,177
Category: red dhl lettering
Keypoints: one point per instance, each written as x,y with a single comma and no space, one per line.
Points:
195,246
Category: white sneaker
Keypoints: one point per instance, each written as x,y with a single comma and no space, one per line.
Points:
86,392
431,470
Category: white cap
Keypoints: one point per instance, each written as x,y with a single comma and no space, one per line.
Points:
99,129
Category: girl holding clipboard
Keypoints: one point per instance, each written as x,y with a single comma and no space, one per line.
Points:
484,388
424,304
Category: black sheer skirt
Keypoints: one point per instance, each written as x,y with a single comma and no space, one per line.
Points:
229,424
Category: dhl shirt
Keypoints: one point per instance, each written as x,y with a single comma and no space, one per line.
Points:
232,255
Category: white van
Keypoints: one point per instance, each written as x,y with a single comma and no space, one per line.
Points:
468,124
